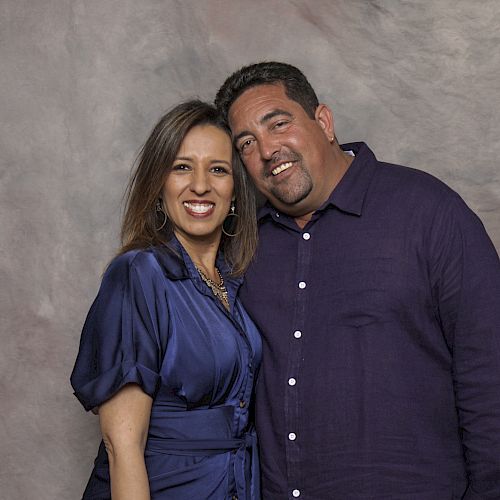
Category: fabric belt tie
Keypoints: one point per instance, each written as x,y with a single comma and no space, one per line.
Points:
247,475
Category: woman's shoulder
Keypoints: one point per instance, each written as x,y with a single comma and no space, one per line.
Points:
156,260
140,259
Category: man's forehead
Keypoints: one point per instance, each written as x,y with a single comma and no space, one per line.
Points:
259,102
261,91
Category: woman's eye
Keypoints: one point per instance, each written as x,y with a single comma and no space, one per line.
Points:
219,170
180,166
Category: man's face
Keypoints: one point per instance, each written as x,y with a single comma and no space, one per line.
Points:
284,150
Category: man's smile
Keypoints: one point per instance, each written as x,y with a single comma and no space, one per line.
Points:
281,168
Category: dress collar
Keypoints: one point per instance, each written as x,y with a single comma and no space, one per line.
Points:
177,264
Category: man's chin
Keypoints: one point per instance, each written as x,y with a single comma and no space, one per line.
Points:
289,199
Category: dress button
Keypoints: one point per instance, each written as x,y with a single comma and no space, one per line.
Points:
302,285
292,436
291,381
297,334
242,404
296,493
306,236
277,214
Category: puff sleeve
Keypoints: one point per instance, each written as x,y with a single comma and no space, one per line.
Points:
124,336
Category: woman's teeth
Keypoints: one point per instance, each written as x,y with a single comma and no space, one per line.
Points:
283,166
198,208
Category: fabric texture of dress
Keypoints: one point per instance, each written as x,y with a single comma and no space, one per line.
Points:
155,323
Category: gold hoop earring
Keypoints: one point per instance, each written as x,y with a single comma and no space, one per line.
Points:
232,213
159,210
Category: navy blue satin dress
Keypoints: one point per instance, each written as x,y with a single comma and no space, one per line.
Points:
155,323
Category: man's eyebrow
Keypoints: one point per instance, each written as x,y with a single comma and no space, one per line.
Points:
263,120
273,113
236,138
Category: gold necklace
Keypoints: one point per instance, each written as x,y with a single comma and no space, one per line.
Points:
218,289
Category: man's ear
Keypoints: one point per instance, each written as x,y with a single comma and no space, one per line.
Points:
324,118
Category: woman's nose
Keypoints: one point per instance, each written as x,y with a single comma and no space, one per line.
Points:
200,182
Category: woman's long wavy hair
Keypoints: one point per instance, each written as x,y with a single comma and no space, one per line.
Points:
141,221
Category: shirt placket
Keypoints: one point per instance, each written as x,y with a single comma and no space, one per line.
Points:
292,378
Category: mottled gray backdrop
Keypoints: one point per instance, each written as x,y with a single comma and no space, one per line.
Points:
82,82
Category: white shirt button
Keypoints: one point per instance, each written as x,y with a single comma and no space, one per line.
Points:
292,436
302,285
297,334
296,493
306,236
291,381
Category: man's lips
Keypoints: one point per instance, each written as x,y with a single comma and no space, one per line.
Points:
281,163
198,208
281,168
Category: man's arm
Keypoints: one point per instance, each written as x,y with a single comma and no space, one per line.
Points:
466,280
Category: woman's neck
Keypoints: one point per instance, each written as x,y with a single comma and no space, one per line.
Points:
203,252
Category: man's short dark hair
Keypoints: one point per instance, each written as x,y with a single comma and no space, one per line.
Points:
296,85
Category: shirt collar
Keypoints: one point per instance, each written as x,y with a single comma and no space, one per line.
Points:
350,193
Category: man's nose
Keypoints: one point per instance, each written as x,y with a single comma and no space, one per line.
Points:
269,147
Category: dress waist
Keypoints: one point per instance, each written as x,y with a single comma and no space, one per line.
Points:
200,446
200,424
205,432
196,432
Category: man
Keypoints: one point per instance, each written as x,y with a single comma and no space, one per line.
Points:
377,292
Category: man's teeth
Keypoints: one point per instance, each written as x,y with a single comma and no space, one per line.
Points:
199,208
282,167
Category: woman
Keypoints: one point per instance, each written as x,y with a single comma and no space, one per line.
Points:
168,356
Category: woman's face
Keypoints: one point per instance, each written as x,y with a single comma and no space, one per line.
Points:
199,187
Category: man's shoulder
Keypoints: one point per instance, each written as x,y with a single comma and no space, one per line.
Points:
413,184
391,181
412,177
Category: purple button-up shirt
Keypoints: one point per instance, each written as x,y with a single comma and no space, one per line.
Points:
381,335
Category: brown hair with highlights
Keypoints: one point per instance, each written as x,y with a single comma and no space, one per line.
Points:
141,220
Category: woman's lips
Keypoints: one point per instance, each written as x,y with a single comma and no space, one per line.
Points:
199,208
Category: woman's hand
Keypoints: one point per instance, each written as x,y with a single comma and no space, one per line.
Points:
124,421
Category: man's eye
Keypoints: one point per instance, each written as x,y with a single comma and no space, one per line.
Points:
245,144
279,124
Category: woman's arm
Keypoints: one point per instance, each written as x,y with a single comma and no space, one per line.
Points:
124,423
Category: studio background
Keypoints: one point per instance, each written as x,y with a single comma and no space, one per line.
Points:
83,81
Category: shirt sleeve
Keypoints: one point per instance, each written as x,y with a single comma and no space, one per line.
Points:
122,341
466,277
